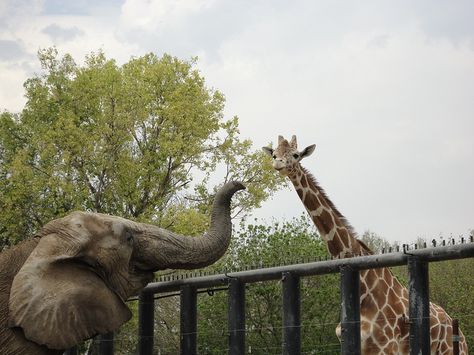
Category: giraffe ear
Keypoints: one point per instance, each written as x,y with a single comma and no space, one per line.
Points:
307,151
293,143
268,150
280,139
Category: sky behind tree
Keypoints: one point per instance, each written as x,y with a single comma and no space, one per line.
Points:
384,89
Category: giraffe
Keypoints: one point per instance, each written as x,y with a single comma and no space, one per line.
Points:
383,299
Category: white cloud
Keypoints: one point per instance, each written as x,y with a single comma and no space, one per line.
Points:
153,15
12,78
14,8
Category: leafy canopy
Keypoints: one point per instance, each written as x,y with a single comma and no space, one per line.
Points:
128,140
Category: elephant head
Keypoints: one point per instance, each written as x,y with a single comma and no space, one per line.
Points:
74,283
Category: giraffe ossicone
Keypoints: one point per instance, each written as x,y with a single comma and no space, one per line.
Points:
384,300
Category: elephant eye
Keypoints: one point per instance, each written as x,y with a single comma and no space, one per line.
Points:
129,237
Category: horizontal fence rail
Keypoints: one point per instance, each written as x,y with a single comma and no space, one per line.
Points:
416,260
459,251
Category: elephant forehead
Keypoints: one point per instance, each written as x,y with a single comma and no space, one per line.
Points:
97,224
117,227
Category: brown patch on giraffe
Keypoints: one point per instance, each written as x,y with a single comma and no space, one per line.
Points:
319,226
311,202
449,328
383,285
370,278
326,220
380,294
293,177
388,277
444,347
391,296
322,199
435,332
388,331
333,247
303,181
442,317
379,334
340,245
300,193
369,346
370,309
390,314
345,237
397,303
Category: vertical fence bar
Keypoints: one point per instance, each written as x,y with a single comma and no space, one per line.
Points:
106,344
188,320
419,308
236,314
455,337
146,315
350,311
291,314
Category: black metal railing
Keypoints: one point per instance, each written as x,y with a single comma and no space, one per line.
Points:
417,261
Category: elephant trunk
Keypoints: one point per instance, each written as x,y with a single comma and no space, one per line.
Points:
158,249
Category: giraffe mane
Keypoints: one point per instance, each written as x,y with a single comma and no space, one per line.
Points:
312,181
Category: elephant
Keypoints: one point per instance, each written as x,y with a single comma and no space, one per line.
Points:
69,282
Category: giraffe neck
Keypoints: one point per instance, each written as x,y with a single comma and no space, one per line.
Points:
331,224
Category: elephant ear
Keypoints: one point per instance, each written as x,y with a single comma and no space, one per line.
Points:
59,300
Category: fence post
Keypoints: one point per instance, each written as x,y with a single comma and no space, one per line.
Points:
188,320
455,337
146,315
291,314
106,344
419,308
236,315
350,311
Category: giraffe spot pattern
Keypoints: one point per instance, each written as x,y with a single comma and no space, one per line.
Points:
327,221
300,193
311,202
304,182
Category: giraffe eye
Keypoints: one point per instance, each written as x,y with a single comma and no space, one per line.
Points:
274,156
296,156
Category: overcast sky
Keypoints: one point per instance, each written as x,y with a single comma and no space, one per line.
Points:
385,89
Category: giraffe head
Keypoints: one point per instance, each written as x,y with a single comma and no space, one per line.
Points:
286,155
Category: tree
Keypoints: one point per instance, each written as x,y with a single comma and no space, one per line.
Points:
139,140
376,243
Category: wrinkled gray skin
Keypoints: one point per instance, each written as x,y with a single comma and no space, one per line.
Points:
69,282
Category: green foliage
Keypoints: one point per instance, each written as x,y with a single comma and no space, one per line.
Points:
452,287
128,140
375,242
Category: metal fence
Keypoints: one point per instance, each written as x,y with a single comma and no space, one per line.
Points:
417,261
